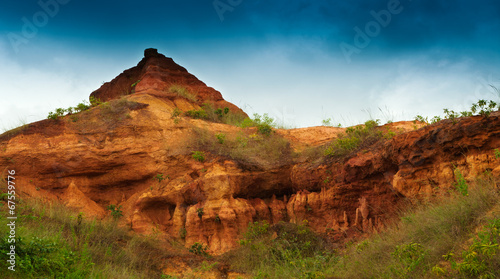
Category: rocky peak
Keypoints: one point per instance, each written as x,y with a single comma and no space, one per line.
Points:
155,74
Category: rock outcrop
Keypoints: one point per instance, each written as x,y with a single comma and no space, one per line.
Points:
134,151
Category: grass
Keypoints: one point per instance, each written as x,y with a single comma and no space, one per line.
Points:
182,92
218,115
105,116
54,242
248,146
19,128
284,250
356,138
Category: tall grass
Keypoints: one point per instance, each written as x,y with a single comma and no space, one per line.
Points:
54,242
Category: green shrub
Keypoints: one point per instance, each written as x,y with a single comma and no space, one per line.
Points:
422,119
160,177
483,107
59,112
354,138
199,249
284,250
220,137
408,257
95,101
116,211
264,123
199,156
326,122
435,119
196,114
461,184
497,153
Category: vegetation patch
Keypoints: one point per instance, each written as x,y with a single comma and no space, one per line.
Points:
183,92
248,146
284,250
354,139
219,115
482,107
54,242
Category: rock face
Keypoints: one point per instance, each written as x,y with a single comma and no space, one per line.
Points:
137,153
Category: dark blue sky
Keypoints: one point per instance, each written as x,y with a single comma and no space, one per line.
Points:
299,61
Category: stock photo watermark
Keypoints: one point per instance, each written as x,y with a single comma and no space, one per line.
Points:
363,37
31,25
221,7
11,220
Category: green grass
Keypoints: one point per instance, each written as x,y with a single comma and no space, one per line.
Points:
354,139
218,115
54,242
284,250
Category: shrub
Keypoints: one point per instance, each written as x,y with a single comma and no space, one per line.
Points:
199,249
327,122
196,114
264,123
483,107
354,138
435,119
422,119
94,101
59,112
220,137
450,114
198,156
116,211
284,250
160,177
497,153
461,184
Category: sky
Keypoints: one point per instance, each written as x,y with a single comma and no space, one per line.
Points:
301,62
